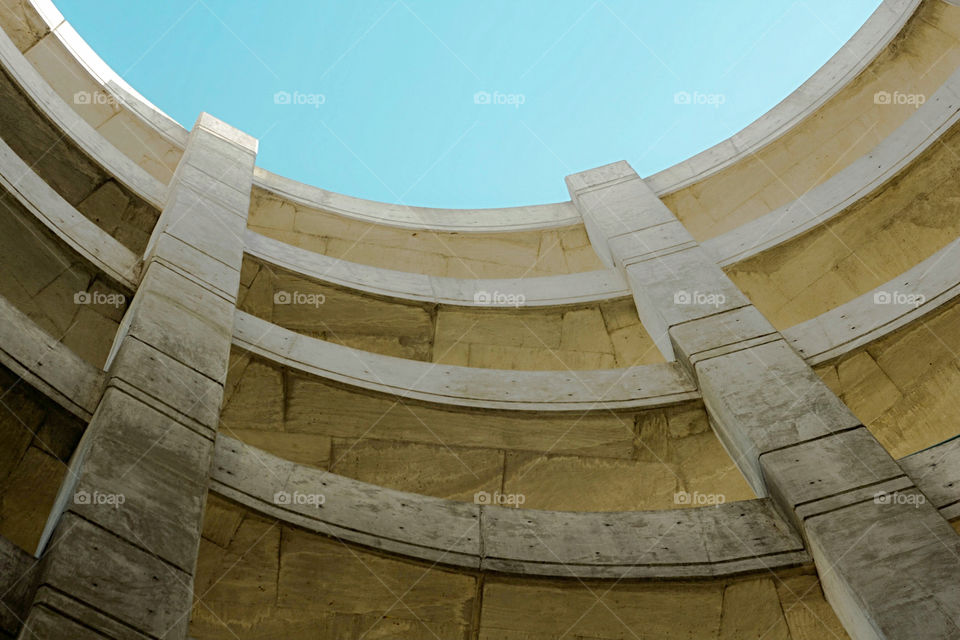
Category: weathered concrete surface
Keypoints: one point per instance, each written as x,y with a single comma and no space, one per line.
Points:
936,471
17,575
123,538
791,436
636,387
38,434
327,228
260,578
873,240
864,178
902,386
548,436
583,286
581,336
61,146
705,541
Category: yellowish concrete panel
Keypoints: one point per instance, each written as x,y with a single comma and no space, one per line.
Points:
260,579
472,255
905,387
872,242
438,470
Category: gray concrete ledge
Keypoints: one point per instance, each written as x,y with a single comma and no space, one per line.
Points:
858,52
48,365
76,128
109,79
81,234
935,281
863,177
524,218
574,288
645,386
700,542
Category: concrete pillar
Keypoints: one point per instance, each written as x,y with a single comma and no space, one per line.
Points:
889,565
121,545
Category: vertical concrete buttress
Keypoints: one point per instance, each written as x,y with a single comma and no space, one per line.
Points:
888,562
120,549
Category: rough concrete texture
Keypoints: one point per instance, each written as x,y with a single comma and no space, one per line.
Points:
791,436
607,335
900,386
477,255
872,241
37,438
124,130
127,522
583,460
888,565
258,578
54,287
70,171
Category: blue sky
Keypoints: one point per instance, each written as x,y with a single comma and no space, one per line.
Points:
467,104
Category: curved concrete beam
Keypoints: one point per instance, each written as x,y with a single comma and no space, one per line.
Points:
109,79
863,177
68,121
636,387
828,200
81,234
48,365
575,288
700,542
894,304
533,217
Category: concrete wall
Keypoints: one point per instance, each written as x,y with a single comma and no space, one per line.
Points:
70,170
904,386
267,577
37,438
477,255
48,53
599,460
54,287
607,335
259,578
871,242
